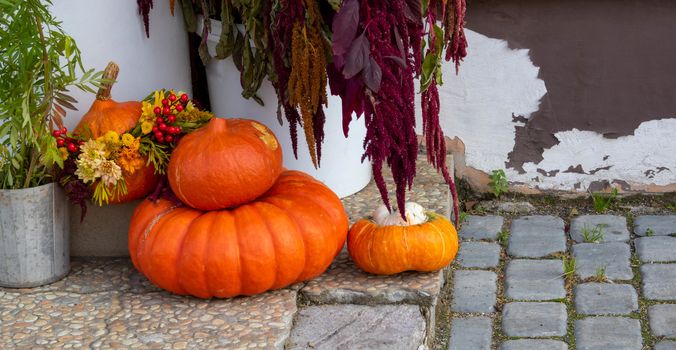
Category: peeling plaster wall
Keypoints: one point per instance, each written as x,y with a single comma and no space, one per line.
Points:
477,106
497,92
648,156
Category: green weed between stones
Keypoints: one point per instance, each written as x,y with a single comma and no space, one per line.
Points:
602,201
600,275
503,237
643,304
594,235
501,300
569,267
498,182
462,217
672,207
443,314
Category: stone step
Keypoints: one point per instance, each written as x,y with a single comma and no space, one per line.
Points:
344,283
386,327
106,303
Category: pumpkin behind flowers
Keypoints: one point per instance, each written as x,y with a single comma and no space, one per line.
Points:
388,245
105,115
290,234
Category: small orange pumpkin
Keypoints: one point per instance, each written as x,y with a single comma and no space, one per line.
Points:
224,164
290,234
404,246
105,115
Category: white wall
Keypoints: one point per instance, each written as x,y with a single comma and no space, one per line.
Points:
146,64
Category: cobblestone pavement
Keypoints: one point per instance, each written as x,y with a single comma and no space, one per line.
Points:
534,284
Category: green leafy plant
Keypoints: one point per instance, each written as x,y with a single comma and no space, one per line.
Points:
503,237
649,232
600,275
569,267
672,207
594,235
38,63
498,183
463,216
602,201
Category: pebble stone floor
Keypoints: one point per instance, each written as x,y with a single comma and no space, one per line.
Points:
512,291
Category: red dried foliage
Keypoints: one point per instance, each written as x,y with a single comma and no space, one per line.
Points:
144,7
454,21
374,67
435,141
390,117
77,191
280,42
377,47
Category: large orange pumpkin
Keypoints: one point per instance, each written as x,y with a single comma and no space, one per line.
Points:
224,164
105,115
290,234
386,250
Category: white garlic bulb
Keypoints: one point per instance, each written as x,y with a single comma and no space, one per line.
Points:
415,214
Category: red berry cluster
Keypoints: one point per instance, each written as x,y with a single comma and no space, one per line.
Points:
62,140
164,130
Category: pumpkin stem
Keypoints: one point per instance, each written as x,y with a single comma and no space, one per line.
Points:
217,124
109,74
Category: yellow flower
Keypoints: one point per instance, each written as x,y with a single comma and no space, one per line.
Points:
148,109
64,153
195,115
146,127
130,166
159,96
130,160
134,146
189,107
127,139
112,137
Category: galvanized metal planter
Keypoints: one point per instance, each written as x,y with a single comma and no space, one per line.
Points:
34,236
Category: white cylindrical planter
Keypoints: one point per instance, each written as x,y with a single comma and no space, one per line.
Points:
34,236
341,167
113,31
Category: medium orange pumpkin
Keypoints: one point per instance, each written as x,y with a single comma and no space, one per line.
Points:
290,234
224,164
105,115
386,250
